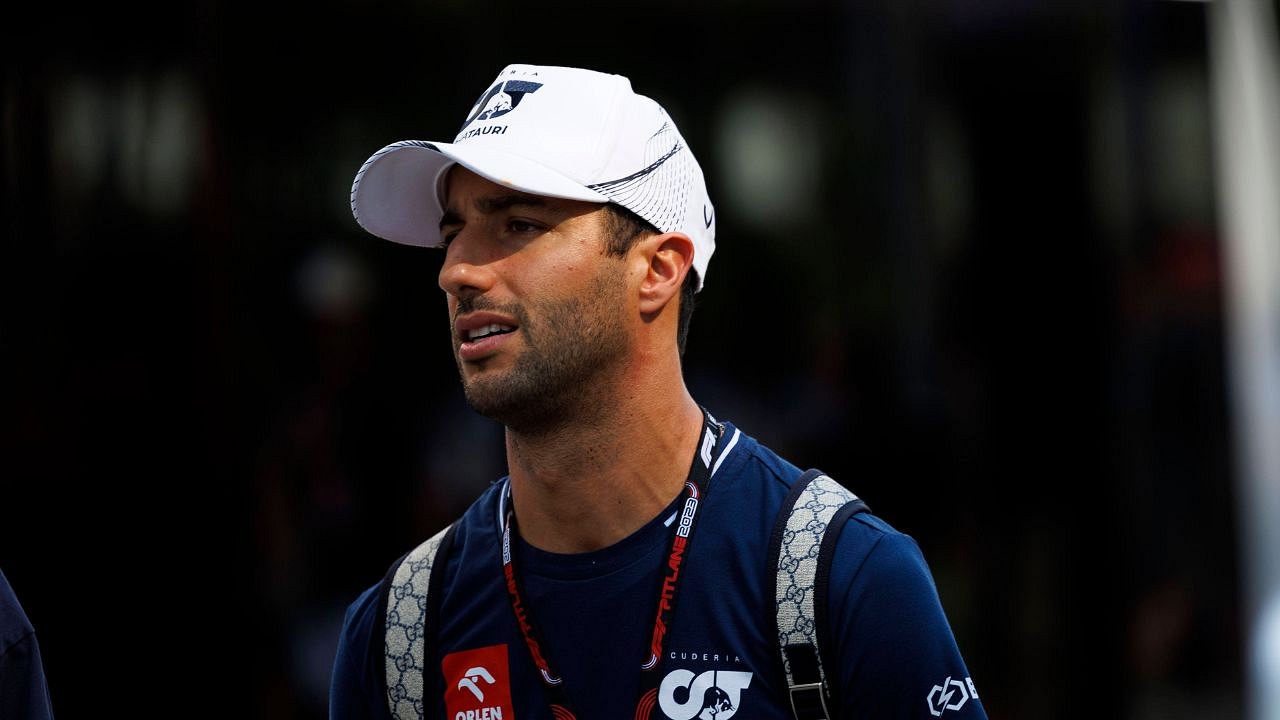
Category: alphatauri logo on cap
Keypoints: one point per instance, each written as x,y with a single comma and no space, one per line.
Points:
499,100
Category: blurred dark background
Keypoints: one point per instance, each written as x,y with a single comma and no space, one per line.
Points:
968,264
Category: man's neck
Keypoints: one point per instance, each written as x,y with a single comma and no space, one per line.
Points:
594,481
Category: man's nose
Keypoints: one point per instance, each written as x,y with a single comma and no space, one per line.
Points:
463,273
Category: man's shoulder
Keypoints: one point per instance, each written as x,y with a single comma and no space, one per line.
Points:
762,478
359,666
482,515
474,521
746,460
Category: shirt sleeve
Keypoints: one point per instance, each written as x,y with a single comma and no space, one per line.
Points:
353,690
23,692
24,695
897,655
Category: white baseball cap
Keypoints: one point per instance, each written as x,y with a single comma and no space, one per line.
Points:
553,131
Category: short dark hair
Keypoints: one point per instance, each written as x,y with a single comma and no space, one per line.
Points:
625,228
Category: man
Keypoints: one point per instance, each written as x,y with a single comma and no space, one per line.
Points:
576,227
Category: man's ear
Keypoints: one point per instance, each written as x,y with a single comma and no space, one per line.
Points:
669,257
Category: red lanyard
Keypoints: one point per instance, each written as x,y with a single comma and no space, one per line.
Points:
665,605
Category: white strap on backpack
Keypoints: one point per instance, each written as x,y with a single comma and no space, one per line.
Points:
411,604
801,550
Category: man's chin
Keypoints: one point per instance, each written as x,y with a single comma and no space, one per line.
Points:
497,407
488,392
472,371
516,405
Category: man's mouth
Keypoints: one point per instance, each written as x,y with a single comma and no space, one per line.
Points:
481,333
487,331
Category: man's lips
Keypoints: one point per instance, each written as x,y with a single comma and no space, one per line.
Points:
475,350
481,334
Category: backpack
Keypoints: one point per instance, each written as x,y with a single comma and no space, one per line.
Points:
800,551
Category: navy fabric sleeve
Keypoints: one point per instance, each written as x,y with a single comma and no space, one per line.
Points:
354,687
897,655
24,694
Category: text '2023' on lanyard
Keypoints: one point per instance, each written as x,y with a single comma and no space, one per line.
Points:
696,487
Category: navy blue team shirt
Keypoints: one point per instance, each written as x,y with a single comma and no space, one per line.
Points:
896,656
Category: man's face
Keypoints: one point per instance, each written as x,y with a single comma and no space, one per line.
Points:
538,309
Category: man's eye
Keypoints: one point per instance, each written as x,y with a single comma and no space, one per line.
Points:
522,226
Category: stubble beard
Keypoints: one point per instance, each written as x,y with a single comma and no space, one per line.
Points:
570,346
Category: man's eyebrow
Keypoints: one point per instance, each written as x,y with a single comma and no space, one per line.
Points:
489,205
503,202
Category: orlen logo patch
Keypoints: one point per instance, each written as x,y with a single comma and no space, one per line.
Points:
477,684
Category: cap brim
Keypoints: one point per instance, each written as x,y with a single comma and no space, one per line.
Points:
396,194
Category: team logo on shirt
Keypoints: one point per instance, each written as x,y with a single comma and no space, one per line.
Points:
950,695
713,695
477,684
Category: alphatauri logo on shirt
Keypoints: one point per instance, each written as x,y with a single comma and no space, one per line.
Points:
713,695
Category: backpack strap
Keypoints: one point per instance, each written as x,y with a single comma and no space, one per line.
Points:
411,608
800,551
